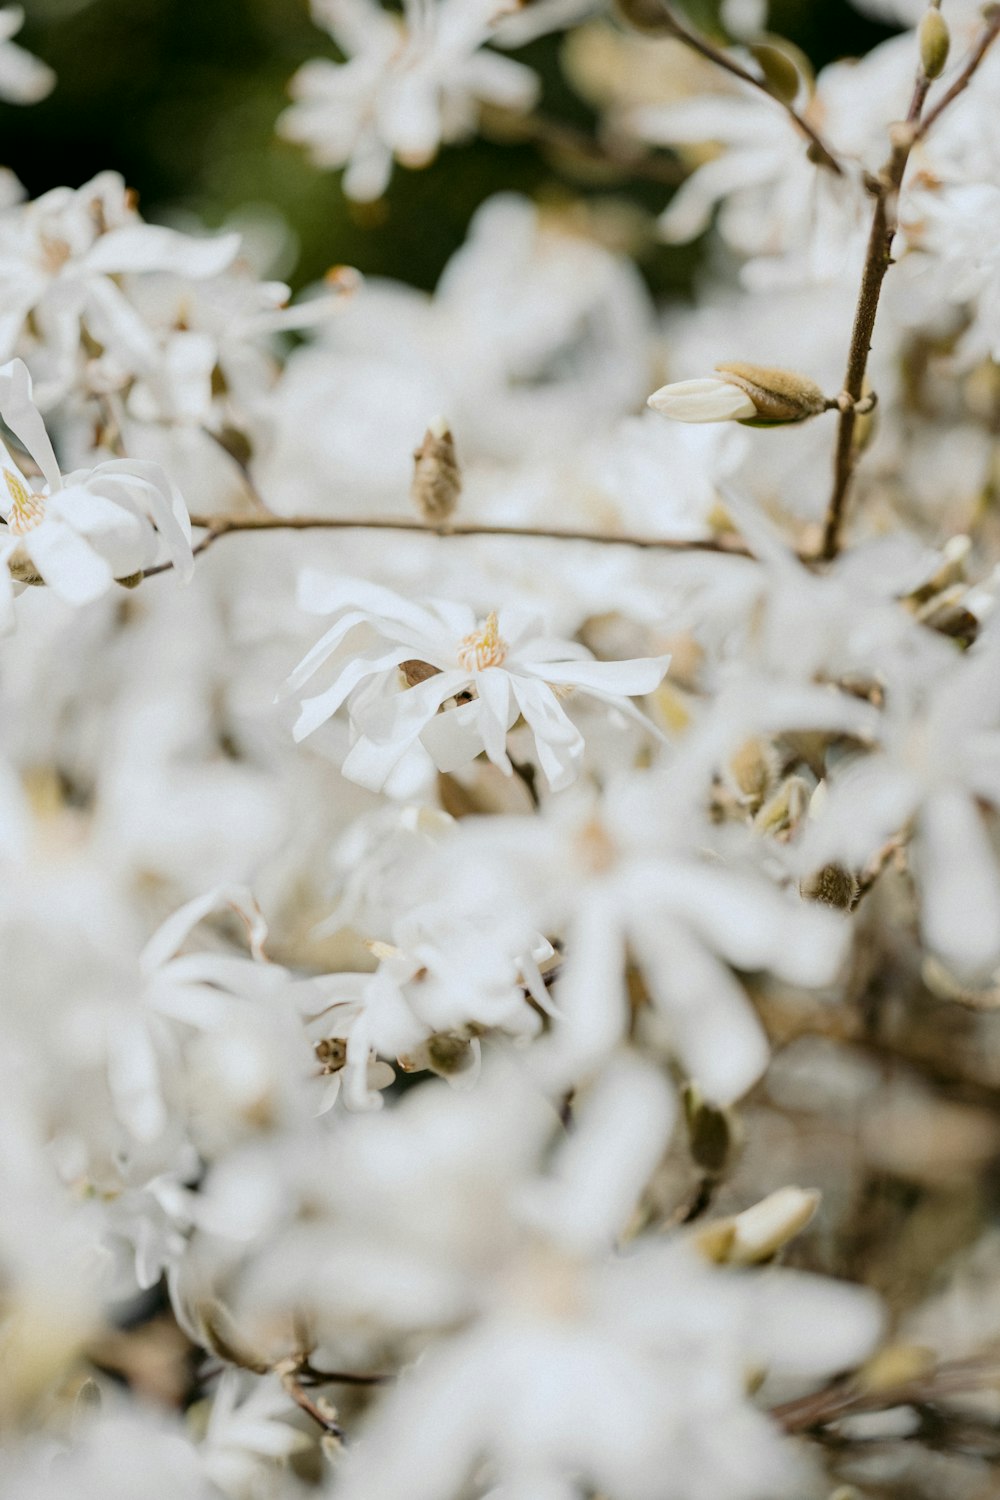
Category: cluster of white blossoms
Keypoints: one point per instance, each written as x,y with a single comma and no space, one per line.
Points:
425,1033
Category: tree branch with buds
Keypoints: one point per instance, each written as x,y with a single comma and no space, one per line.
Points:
659,18
885,188
216,527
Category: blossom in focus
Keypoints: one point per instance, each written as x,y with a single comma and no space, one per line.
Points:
408,85
707,400
23,79
496,669
82,531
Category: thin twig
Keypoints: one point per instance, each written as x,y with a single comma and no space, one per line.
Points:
847,1398
313,1409
961,83
670,23
216,527
309,1375
878,258
567,140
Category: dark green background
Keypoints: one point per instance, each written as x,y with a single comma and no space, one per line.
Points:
181,96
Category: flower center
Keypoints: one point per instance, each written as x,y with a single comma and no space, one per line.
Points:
55,253
483,648
26,509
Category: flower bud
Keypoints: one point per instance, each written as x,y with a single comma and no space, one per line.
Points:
703,401
781,75
437,478
762,1230
758,1233
832,885
754,394
778,395
754,768
935,42
897,1364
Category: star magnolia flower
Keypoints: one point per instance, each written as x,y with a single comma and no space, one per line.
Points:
408,85
23,79
502,667
62,260
81,531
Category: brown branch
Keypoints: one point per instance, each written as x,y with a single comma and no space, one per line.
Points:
313,1409
848,1398
568,141
658,15
878,258
309,1375
215,527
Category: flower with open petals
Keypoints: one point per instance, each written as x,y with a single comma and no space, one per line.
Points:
82,531
407,85
490,672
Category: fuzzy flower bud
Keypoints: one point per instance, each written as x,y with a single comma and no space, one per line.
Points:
935,42
758,1233
754,394
778,395
437,478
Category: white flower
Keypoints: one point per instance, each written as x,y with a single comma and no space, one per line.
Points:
82,531
708,400
794,219
938,764
558,1359
61,260
23,79
429,1000
628,880
246,1436
535,341
498,669
407,86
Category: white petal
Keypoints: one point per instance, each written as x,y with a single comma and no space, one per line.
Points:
69,565
23,418
152,247
627,679
620,1133
706,400
959,884
713,1026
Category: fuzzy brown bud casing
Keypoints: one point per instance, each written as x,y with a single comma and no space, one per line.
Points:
778,395
437,478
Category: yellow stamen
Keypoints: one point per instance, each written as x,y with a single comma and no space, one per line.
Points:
26,509
483,648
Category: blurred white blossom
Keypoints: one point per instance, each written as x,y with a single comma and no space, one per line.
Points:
407,85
